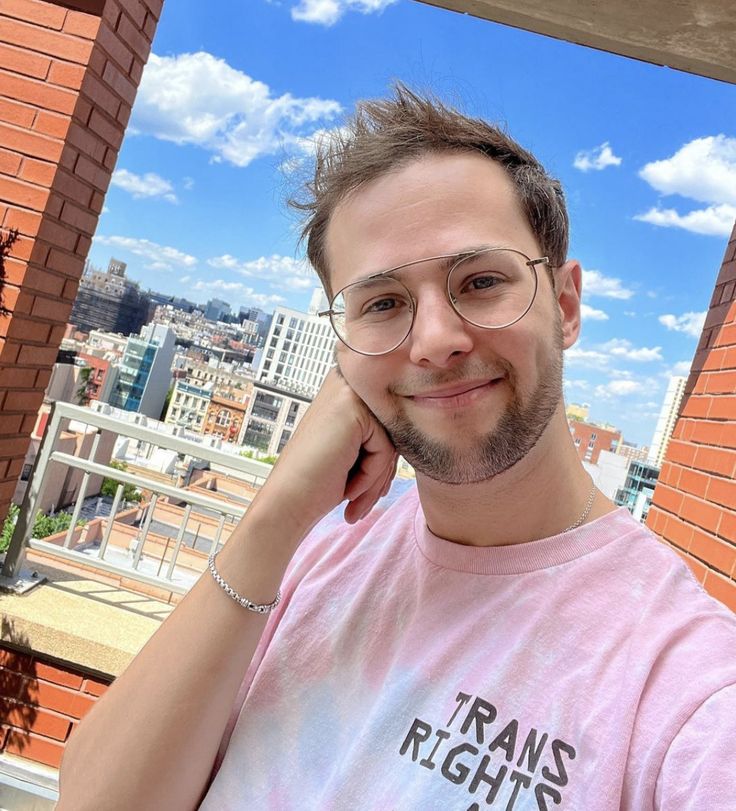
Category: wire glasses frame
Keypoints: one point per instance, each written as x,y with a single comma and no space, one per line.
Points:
459,258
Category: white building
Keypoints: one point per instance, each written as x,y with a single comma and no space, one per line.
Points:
271,418
299,349
145,371
609,474
189,404
667,420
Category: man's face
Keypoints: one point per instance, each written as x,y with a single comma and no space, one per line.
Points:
460,403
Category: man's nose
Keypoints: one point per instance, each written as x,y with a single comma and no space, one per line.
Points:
439,334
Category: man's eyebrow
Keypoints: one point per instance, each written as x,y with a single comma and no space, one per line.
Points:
445,261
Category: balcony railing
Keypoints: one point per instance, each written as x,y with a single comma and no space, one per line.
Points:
141,559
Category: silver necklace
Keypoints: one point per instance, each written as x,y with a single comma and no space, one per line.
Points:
588,506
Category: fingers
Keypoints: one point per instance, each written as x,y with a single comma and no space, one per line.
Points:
373,464
361,504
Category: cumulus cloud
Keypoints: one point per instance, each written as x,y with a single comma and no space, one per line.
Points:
596,159
689,323
602,356
703,170
577,356
596,284
283,272
589,313
160,257
716,221
242,292
618,388
198,99
139,186
680,369
622,348
328,12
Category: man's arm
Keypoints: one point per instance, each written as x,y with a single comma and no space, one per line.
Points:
699,769
150,741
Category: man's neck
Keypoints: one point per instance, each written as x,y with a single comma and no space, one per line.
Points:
540,496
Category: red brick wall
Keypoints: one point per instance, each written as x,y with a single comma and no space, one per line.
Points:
694,504
68,78
41,704
603,441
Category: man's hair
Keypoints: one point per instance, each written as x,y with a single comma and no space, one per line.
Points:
385,134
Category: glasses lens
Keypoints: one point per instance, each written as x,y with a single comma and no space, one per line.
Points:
492,288
373,316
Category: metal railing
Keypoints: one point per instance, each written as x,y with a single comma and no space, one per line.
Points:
217,511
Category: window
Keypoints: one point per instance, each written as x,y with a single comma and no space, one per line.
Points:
223,417
285,436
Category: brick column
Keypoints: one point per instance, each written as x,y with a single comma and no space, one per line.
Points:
69,72
694,504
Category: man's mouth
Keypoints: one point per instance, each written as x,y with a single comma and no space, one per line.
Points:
456,395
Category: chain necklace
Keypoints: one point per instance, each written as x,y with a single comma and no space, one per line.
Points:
588,506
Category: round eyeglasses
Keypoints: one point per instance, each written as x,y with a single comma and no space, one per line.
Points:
491,288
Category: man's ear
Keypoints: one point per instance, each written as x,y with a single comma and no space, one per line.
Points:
568,290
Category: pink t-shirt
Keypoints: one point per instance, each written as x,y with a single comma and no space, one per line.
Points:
586,671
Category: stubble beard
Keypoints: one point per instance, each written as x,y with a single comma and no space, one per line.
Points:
517,432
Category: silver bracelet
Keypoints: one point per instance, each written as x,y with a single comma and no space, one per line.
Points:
262,608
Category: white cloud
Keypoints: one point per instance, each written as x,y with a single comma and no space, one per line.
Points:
238,290
282,272
689,323
139,186
328,12
588,313
161,257
577,383
703,170
596,284
596,159
621,348
618,388
198,99
681,368
591,358
716,221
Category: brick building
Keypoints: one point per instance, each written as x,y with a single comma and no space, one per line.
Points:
694,504
591,439
69,73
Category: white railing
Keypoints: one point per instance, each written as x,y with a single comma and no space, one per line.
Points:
131,563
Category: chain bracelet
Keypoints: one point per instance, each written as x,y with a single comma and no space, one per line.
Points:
259,608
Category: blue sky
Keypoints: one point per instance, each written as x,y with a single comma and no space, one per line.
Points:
234,93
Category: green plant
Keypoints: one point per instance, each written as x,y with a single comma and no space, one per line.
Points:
43,526
83,390
8,526
109,486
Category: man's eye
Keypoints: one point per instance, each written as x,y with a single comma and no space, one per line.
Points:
482,282
381,305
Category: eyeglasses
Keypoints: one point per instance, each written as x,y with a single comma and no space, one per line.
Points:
491,288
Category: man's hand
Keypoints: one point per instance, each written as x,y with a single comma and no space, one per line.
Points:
339,451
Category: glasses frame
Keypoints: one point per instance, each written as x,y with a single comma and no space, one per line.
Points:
459,257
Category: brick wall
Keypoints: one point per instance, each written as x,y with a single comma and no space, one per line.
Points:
694,504
69,73
591,439
41,704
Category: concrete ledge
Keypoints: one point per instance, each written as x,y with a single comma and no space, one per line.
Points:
95,626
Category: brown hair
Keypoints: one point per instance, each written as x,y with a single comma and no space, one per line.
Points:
386,133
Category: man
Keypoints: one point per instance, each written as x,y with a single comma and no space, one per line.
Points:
500,636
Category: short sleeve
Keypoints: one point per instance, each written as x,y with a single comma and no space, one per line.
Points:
699,768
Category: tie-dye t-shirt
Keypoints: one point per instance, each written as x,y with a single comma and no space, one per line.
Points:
585,671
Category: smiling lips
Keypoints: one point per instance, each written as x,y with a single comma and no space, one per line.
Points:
460,394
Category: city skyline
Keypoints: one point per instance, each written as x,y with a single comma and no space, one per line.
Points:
219,135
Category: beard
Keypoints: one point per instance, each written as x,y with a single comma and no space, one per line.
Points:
518,430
